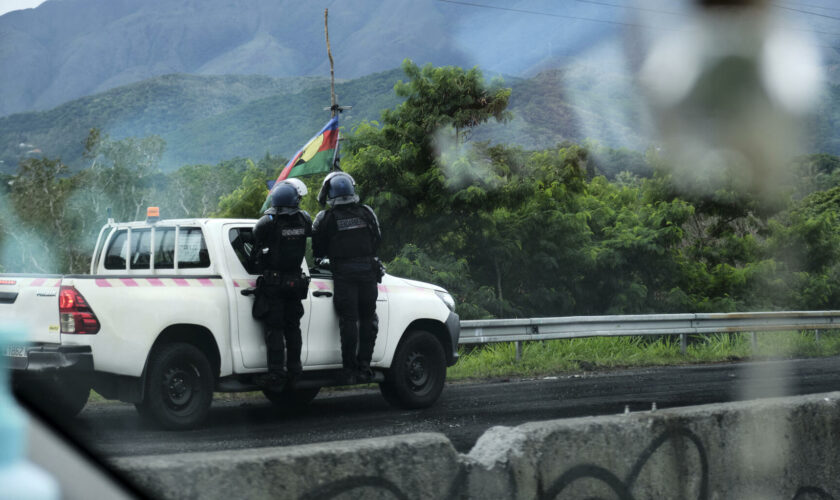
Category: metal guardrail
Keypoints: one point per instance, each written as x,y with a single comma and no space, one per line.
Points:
520,330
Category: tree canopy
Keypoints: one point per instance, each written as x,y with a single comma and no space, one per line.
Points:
575,229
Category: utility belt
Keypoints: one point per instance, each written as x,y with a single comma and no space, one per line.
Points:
361,268
284,284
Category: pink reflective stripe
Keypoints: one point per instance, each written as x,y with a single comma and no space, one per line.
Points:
205,282
382,288
155,282
252,282
38,282
103,283
181,282
128,282
235,284
321,285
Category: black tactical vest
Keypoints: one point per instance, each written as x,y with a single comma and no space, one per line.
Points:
352,235
285,237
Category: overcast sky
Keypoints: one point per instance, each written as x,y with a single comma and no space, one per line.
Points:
8,5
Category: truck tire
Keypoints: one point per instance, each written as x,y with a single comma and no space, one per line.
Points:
59,397
417,373
72,396
291,398
179,387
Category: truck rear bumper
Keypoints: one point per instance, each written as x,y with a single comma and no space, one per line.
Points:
48,359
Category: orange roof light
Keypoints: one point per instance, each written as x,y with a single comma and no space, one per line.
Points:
153,214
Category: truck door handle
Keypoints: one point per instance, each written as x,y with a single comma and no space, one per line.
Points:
322,293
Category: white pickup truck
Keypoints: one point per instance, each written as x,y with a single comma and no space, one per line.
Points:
160,322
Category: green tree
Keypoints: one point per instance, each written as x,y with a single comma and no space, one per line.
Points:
41,231
123,175
396,165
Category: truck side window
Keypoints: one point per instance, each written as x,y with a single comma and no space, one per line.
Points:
117,251
192,250
164,248
242,241
141,242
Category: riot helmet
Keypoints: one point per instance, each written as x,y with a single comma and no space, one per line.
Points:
299,185
285,194
338,189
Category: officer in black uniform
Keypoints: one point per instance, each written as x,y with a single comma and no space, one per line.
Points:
348,234
279,246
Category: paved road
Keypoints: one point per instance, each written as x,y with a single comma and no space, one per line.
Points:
464,411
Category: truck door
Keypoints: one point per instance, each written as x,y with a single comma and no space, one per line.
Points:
324,341
247,332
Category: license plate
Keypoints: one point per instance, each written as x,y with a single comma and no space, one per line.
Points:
16,351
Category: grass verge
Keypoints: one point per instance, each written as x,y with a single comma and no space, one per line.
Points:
552,357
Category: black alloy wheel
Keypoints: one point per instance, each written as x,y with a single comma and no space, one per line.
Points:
417,373
179,387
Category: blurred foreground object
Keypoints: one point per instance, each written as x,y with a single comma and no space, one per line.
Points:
19,479
729,93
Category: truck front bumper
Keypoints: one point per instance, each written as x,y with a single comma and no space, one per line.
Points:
49,359
453,324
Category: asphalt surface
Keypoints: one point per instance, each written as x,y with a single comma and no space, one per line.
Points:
464,411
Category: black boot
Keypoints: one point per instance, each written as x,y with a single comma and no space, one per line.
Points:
272,380
294,373
348,376
365,374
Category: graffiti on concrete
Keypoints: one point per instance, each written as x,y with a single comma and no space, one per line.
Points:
812,493
623,488
336,488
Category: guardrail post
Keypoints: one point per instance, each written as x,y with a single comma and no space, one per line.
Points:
817,335
754,340
518,351
683,343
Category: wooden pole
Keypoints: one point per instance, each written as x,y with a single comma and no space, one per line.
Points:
333,100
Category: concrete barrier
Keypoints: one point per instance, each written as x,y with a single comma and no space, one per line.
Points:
786,449
770,449
399,467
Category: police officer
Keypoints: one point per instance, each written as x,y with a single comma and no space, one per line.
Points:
279,246
348,234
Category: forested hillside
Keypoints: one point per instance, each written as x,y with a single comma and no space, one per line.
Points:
202,119
565,230
210,119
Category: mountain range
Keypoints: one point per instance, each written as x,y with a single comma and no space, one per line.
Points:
66,49
224,78
207,119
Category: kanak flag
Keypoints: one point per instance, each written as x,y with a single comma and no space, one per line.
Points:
317,156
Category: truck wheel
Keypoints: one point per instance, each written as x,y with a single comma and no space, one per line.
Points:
291,398
179,387
417,373
72,396
60,397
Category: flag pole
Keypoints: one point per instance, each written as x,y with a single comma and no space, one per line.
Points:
333,100
334,108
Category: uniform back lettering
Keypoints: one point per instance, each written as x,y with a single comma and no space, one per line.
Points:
288,233
351,223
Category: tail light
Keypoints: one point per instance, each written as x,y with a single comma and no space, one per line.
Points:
75,315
